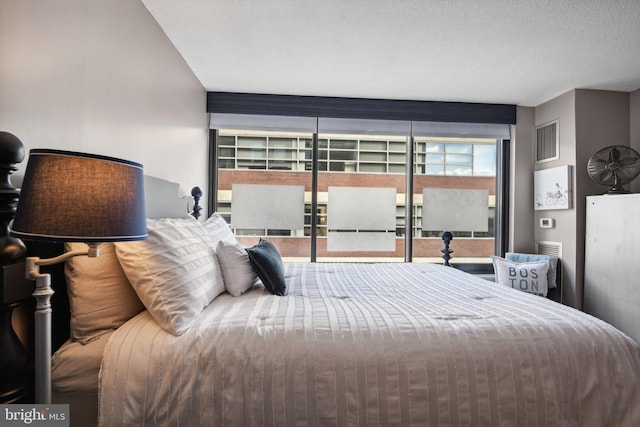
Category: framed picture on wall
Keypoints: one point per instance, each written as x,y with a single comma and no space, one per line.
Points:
552,188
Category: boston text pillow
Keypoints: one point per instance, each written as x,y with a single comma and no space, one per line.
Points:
526,276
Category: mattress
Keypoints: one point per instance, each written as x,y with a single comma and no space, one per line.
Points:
376,345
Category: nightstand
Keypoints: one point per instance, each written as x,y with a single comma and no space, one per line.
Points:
15,290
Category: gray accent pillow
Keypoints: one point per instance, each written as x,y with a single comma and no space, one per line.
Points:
237,271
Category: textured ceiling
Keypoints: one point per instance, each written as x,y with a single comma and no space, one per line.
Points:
496,51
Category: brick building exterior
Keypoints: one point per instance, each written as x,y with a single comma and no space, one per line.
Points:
299,246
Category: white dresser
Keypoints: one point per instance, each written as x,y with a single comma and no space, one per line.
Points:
612,261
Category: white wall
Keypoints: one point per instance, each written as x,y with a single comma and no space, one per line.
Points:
634,130
101,76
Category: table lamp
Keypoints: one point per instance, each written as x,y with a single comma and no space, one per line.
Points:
73,197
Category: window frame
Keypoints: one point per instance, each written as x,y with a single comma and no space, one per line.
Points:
308,109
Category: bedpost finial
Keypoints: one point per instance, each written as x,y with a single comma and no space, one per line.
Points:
447,237
196,193
11,152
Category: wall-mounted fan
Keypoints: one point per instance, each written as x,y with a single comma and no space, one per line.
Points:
614,166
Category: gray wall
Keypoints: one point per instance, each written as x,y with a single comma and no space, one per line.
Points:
602,119
562,109
588,121
521,230
101,76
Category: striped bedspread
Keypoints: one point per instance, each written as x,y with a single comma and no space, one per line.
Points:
374,345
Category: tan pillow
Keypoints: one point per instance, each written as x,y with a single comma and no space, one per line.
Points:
175,272
100,296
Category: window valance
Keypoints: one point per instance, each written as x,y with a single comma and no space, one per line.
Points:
359,108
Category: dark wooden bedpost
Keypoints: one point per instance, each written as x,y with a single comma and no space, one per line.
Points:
196,193
14,288
447,237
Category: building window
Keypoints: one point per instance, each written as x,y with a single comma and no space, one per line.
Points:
252,151
456,156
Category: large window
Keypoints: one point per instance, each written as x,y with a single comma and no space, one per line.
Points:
454,186
363,187
354,204
264,187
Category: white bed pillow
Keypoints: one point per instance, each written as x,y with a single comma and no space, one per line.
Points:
218,229
175,272
100,296
237,271
524,276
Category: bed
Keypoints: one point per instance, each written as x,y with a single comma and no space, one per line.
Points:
187,328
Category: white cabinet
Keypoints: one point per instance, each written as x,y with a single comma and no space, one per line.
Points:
612,261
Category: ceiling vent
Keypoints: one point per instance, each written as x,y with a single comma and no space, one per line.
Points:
547,142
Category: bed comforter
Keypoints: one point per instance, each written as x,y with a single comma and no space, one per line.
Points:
375,345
